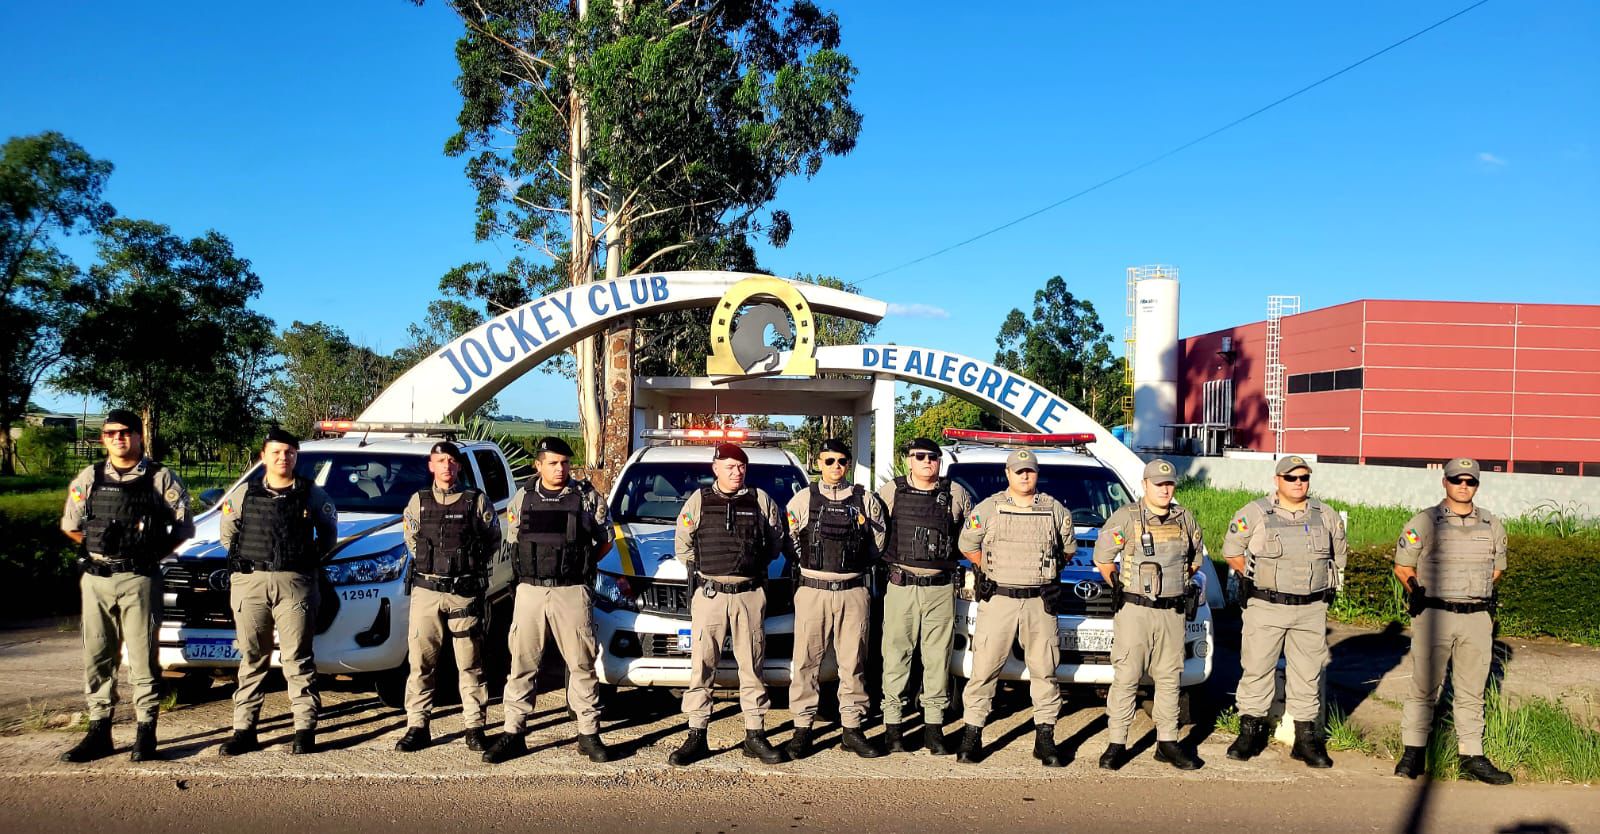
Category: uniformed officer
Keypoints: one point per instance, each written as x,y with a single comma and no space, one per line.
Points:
1016,538
277,529
125,514
1160,547
919,603
838,532
1290,552
452,533
557,530
1451,557
728,534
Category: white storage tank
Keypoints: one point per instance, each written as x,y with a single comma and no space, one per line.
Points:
1155,354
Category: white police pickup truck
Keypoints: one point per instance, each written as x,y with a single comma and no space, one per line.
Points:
370,474
641,612
1091,490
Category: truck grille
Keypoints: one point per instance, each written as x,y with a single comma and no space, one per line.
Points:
1076,606
188,597
666,645
665,598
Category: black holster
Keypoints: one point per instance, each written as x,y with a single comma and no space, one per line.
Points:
1052,595
982,586
1416,598
1191,600
1247,589
1117,599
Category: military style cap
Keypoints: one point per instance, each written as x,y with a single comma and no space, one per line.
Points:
1159,471
277,435
923,444
553,445
128,419
1462,466
445,447
725,451
1022,459
1289,464
836,446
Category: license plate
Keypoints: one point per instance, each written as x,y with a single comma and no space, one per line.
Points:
213,648
683,639
1086,640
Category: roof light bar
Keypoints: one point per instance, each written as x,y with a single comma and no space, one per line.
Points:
1021,438
716,435
349,426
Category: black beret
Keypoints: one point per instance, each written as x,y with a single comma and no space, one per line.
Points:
445,447
836,446
729,450
277,435
553,445
124,417
923,444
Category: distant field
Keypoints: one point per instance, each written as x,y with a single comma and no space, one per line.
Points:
531,429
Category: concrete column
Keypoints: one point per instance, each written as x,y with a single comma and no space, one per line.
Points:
882,429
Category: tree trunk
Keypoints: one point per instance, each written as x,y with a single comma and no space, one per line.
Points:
8,450
580,264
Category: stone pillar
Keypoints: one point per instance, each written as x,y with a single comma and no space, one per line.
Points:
618,427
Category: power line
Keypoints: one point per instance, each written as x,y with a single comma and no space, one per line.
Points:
1179,149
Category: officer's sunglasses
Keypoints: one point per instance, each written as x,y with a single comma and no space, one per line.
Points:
1460,480
108,433
924,456
1296,479
834,461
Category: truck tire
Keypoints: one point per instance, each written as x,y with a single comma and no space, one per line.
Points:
390,686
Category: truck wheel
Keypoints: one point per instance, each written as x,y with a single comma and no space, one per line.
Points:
1194,706
192,688
391,686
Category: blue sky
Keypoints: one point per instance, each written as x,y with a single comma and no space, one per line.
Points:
1460,166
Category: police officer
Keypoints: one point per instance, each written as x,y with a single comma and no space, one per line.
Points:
1451,557
557,530
276,528
727,535
1016,538
1160,546
919,603
125,514
838,531
453,534
1290,552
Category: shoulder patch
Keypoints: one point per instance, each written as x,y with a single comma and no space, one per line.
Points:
685,520
1410,536
330,511
794,520
1117,538
974,521
172,495
78,496
1239,525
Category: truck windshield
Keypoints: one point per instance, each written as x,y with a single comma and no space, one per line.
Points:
1090,493
653,493
363,482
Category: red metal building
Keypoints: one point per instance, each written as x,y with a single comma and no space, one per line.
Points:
1411,383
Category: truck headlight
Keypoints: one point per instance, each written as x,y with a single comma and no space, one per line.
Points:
614,592
369,570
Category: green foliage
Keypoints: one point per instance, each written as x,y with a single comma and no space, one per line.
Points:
324,376
1535,738
44,449
1562,520
1228,721
1546,588
38,573
1064,348
917,415
1344,735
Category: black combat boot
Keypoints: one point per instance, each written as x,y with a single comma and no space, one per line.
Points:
1483,770
799,746
590,745
895,738
1044,745
1308,745
305,742
971,750
1115,757
1172,753
243,741
96,743
1412,762
144,742
476,741
933,740
693,750
756,747
416,738
1251,741
505,748
855,741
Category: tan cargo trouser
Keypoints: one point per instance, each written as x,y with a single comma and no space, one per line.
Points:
567,614
1146,641
918,619
1299,633
1003,622
741,617
824,618
119,609
288,601
435,615
1466,642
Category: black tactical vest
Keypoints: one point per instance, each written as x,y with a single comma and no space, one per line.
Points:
732,537
449,537
835,536
276,529
127,519
922,533
554,536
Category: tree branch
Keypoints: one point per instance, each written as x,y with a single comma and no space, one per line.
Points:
658,253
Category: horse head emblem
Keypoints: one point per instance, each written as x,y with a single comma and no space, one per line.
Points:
739,346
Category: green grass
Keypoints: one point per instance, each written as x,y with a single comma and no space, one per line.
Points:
1215,508
1534,738
1344,735
1228,721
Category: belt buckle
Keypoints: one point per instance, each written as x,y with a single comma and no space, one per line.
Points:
709,590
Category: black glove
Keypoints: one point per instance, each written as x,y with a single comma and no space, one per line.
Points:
1051,595
1247,588
1416,599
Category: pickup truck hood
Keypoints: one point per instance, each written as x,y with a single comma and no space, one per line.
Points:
641,549
360,534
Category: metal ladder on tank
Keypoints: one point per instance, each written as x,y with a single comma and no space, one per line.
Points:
1278,306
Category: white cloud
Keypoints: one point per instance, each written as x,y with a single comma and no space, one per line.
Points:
1490,159
918,311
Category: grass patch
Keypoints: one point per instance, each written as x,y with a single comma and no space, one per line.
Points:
1228,721
1536,739
1344,735
39,718
1366,527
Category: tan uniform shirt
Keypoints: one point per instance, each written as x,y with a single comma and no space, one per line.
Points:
980,529
324,514
489,523
1122,531
689,521
1416,539
875,521
1247,532
960,508
166,484
594,506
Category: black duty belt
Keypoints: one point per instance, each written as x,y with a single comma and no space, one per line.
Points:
711,588
1019,593
905,577
1288,599
549,583
833,584
111,567
1174,603
1456,607
435,582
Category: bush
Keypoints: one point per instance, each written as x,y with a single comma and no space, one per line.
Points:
44,450
38,571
